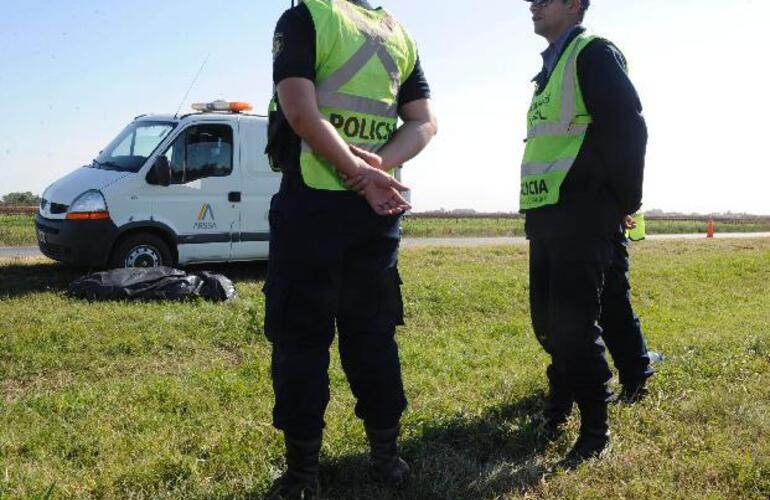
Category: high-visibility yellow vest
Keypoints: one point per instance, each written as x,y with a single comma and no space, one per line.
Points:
556,127
363,58
640,231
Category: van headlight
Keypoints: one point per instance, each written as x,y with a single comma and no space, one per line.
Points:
89,206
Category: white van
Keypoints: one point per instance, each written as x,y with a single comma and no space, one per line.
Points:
167,191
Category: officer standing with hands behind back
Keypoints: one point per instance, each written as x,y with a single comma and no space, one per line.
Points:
581,174
621,327
344,72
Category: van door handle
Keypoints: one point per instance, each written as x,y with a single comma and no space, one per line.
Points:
234,196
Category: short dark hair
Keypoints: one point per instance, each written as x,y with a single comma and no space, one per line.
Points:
584,4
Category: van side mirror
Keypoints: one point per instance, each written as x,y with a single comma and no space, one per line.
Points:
160,173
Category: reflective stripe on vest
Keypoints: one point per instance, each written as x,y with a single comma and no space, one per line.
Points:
361,120
557,123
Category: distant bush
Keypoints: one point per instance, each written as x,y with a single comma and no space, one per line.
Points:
26,199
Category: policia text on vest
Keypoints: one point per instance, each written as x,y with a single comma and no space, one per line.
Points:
363,128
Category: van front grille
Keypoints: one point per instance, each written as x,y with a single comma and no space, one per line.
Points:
58,208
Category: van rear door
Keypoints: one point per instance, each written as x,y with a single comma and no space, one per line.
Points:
259,184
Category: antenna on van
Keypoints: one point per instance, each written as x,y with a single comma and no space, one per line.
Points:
192,85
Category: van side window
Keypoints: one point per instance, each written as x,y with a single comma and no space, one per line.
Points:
201,151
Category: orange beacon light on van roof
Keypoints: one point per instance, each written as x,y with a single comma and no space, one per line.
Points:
233,107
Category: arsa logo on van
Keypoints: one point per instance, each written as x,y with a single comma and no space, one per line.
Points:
204,213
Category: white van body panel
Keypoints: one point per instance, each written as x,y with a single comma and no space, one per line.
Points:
127,200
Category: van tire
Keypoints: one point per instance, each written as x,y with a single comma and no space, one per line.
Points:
141,250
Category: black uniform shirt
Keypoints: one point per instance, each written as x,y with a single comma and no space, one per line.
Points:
605,182
294,55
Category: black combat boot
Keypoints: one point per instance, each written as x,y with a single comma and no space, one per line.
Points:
558,407
300,482
594,435
387,466
633,392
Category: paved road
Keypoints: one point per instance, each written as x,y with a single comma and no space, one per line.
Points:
19,252
520,240
448,242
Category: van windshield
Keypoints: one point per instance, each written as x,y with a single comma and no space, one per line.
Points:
131,148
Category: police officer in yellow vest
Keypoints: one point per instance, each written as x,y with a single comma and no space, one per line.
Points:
581,174
344,73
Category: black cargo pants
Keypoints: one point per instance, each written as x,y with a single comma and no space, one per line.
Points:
333,261
567,278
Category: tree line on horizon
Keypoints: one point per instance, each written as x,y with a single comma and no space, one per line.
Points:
19,199
655,212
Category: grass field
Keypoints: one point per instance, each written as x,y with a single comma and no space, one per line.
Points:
431,228
19,230
148,400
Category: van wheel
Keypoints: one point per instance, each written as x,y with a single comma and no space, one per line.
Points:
141,250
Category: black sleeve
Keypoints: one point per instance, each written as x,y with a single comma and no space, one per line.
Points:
294,45
414,87
619,130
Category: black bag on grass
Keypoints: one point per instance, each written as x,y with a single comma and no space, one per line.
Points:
151,283
216,287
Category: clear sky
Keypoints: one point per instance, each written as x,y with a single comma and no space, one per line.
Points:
74,73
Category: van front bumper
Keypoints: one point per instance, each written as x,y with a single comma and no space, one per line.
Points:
79,242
